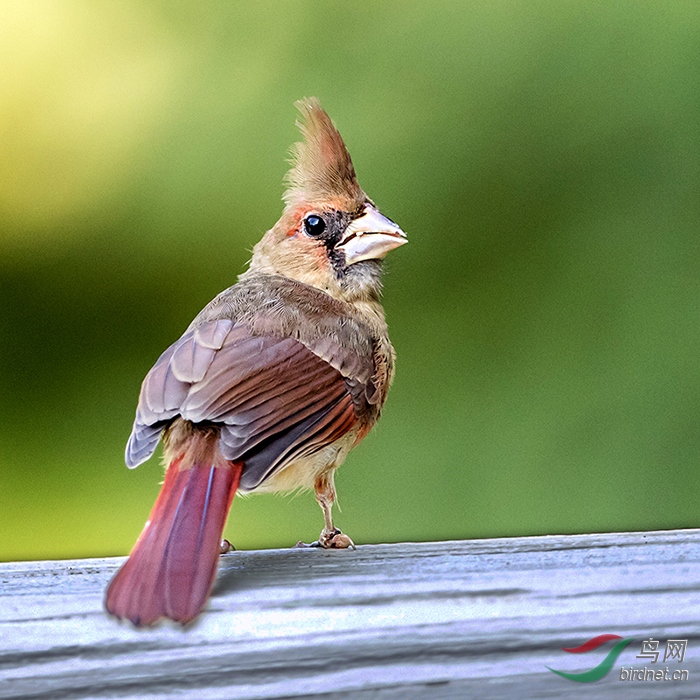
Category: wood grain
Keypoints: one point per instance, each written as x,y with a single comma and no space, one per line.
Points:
473,619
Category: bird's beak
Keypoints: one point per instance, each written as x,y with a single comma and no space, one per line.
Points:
370,237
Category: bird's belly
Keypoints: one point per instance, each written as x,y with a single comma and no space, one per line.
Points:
302,473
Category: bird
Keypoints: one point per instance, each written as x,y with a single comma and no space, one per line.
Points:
270,386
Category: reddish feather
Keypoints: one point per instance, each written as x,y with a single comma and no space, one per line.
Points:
171,569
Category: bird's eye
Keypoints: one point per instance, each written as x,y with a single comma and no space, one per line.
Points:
314,225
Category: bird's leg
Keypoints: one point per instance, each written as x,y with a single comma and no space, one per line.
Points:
331,537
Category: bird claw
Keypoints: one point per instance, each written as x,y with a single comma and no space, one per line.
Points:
225,547
333,539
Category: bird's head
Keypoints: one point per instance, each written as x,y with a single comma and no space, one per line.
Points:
330,235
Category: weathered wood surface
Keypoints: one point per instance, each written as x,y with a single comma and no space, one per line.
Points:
478,619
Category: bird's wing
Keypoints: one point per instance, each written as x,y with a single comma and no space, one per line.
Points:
273,398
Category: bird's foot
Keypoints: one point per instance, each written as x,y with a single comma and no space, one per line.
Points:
225,547
329,539
335,539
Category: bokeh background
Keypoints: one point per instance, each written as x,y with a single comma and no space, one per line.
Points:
544,158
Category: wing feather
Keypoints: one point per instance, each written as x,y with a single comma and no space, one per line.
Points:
274,398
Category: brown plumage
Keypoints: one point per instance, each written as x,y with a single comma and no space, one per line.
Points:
270,386
322,167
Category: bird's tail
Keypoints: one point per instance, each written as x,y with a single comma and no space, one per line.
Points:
172,567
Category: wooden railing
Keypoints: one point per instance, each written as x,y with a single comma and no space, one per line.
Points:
473,619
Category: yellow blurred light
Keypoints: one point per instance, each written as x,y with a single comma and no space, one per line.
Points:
80,90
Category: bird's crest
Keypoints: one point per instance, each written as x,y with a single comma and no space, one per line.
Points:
321,165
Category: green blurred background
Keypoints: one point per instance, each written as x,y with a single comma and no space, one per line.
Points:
544,159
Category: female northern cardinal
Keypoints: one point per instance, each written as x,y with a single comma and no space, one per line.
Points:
271,385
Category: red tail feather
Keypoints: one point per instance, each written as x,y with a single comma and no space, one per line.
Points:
172,567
